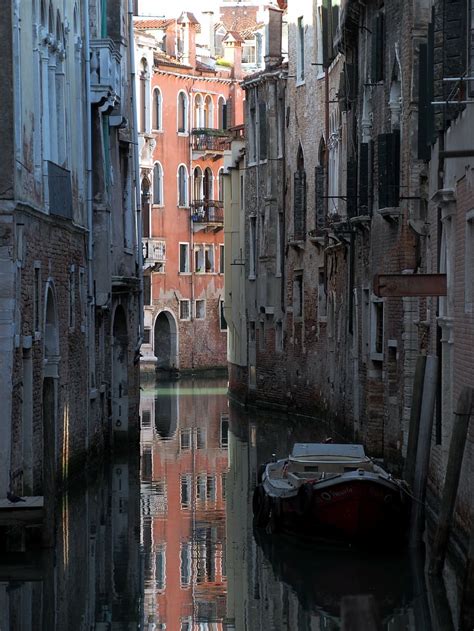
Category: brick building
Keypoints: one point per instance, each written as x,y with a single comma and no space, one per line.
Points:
70,279
186,106
374,180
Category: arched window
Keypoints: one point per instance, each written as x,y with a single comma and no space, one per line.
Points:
157,109
221,185
182,186
221,113
146,207
182,113
143,86
208,112
207,184
197,185
299,197
198,111
158,184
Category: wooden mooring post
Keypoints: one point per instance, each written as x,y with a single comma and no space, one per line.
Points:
423,450
451,482
359,613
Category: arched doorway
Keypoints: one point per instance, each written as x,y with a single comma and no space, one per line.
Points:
49,405
120,371
165,341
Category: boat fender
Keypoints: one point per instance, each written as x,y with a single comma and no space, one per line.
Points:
305,498
261,505
326,496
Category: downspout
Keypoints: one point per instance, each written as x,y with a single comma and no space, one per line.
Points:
138,249
90,244
191,231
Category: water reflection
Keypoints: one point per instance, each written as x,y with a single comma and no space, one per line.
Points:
91,578
184,444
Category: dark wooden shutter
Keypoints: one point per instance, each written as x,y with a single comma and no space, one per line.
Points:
300,205
426,127
364,178
329,23
351,183
319,183
262,129
378,48
224,116
382,170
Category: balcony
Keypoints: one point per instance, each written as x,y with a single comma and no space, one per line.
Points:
60,191
210,141
207,214
105,74
154,254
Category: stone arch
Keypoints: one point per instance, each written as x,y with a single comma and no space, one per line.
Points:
120,370
165,341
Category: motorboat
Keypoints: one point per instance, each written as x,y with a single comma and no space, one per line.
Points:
334,491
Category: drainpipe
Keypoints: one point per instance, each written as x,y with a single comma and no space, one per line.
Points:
191,231
138,250
90,243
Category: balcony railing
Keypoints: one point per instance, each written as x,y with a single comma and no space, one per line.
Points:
105,74
209,211
210,140
60,191
154,251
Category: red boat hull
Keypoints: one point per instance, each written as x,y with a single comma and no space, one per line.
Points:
354,510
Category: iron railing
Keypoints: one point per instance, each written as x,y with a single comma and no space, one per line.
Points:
207,211
210,140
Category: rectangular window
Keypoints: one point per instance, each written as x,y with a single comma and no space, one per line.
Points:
252,332
279,337
298,296
469,263
322,297
377,330
221,259
201,438
388,156
147,289
253,247
209,261
211,488
252,135
184,310
378,48
224,484
72,296
160,567
185,573
222,320
146,418
200,309
299,205
185,490
185,439
300,50
146,336
37,297
201,487
83,296
184,258
224,433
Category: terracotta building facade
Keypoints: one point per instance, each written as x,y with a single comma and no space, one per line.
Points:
186,108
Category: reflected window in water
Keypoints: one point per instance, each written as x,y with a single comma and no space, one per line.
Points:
146,419
201,442
224,438
185,557
160,567
211,488
185,439
147,463
185,490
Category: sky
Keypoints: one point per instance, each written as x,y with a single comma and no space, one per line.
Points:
172,8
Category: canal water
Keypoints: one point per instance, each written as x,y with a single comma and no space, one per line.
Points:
166,540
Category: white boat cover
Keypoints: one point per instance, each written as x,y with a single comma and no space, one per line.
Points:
324,450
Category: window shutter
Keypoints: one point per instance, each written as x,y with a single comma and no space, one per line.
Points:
319,182
378,48
224,116
262,124
364,179
382,170
351,188
300,205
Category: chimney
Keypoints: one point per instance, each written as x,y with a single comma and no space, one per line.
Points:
188,23
232,43
209,15
273,30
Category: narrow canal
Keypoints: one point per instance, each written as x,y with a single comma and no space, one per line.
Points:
166,541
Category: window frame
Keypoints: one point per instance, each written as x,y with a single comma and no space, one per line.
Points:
182,301
186,186
203,302
185,129
159,203
154,118
187,266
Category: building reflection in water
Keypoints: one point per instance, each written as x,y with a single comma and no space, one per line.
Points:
184,462
278,583
91,578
